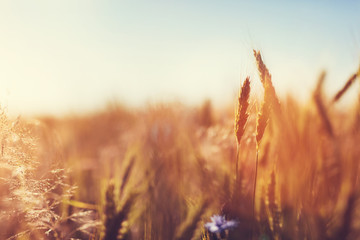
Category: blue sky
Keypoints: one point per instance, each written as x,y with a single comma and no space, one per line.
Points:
57,57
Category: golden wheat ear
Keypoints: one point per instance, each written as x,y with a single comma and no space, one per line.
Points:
347,85
321,106
262,118
263,71
241,114
265,78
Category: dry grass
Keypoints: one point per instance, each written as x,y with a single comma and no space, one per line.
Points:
290,171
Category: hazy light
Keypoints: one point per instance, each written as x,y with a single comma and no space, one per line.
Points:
65,56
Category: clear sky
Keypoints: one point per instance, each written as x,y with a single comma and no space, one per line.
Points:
69,55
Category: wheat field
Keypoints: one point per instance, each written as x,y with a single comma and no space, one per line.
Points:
271,169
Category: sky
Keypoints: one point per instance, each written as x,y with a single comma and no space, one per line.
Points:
67,56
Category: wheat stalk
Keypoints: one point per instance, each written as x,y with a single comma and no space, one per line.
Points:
273,206
241,118
270,99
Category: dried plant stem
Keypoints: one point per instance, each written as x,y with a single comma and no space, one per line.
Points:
237,164
254,193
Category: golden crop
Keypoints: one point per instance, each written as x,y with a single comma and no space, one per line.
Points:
285,170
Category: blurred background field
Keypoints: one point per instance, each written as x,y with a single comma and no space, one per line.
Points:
276,169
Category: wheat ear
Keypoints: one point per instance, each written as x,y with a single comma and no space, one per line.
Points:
241,114
321,107
265,78
347,85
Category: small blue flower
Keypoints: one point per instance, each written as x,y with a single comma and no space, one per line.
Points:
218,224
